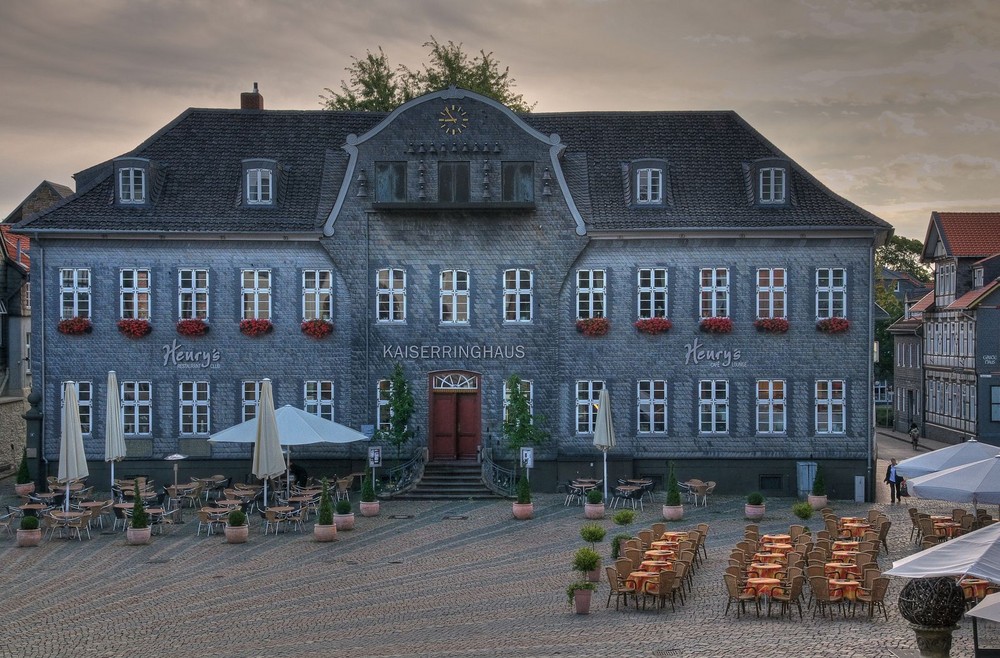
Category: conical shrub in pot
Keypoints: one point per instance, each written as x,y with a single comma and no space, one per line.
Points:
325,530
673,510
138,531
369,503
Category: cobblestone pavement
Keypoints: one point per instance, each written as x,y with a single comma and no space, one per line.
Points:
423,578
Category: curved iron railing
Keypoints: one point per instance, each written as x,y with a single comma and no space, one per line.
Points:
404,477
501,481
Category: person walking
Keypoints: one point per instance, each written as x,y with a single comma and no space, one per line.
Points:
893,479
914,434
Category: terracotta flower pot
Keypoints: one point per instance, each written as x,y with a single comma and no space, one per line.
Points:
753,512
673,512
29,537
369,508
593,510
817,502
324,532
581,601
24,489
344,521
594,576
237,534
523,511
137,536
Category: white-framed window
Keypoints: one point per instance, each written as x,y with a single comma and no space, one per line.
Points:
259,186
591,294
648,186
390,295
137,407
772,287
134,294
195,407
651,406
830,406
317,294
772,185
85,401
27,352
250,394
714,292
770,406
318,396
944,282
383,390
831,292
132,185
27,295
454,297
517,295
587,393
977,277
527,388
192,294
652,293
74,293
256,294
713,406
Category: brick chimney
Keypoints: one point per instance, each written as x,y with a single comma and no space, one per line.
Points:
251,100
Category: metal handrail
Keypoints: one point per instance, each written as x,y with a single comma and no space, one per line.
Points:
501,481
404,477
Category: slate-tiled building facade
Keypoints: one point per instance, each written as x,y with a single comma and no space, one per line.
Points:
467,243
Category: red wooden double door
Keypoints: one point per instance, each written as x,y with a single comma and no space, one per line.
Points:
455,415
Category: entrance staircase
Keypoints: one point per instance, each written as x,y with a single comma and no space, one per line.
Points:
450,480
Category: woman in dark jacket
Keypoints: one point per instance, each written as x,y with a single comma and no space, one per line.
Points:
892,478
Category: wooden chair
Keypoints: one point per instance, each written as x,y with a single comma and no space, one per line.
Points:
786,596
623,566
680,573
659,589
658,529
635,555
703,529
874,596
883,535
344,487
825,597
77,526
619,590
739,595
645,538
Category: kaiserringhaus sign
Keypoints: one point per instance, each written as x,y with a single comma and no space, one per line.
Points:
426,352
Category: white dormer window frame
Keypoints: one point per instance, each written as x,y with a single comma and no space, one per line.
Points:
649,186
260,186
132,185
772,185
978,278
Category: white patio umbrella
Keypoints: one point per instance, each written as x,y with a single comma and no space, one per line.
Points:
988,608
72,459
944,458
114,435
978,482
974,554
268,459
604,432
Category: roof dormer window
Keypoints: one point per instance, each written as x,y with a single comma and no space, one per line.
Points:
261,179
978,278
648,186
134,181
646,183
768,182
771,185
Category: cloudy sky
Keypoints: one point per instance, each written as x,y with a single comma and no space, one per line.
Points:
892,104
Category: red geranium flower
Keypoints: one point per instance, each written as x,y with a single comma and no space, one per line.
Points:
192,327
772,325
716,325
593,326
833,325
653,326
317,328
75,326
256,327
134,328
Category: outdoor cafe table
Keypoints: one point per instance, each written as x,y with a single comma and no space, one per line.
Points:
228,504
845,545
763,569
851,519
857,529
776,539
941,517
664,544
946,528
776,558
848,587
779,548
974,588
48,495
674,536
638,579
656,565
762,586
845,556
840,569
659,554
32,509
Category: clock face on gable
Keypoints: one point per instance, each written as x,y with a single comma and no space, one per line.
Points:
453,119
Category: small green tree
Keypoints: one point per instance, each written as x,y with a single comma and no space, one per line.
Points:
139,517
523,491
367,488
673,491
803,510
400,412
819,487
519,427
237,518
592,533
616,544
324,515
624,516
23,474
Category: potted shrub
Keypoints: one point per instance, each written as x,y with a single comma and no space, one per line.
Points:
674,509
29,533
237,530
624,516
580,591
138,530
369,503
616,544
593,533
818,496
23,484
522,507
754,509
344,517
594,507
802,510
325,530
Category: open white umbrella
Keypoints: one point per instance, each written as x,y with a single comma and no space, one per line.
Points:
988,608
72,458
978,482
604,432
974,554
268,459
114,436
945,458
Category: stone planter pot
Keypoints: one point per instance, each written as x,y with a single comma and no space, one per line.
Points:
344,521
324,532
581,601
593,510
753,512
932,641
24,489
369,508
523,511
237,534
29,537
817,502
673,512
137,536
594,576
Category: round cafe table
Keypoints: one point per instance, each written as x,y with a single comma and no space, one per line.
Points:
848,587
674,535
946,528
638,579
763,569
851,519
941,517
762,586
779,548
775,558
845,556
659,554
664,544
775,539
856,529
656,565
845,545
840,570
33,509
974,588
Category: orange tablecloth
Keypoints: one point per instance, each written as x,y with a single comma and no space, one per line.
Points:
659,554
844,545
845,556
775,539
664,544
941,517
674,535
848,587
946,528
840,569
856,529
657,565
637,579
851,519
762,586
770,558
763,569
974,588
779,548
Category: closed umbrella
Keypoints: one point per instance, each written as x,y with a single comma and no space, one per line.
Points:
268,459
604,432
72,459
978,482
975,554
945,458
114,436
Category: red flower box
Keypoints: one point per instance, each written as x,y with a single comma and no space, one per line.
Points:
717,325
317,328
772,325
75,326
653,326
192,327
256,327
134,328
593,326
833,325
